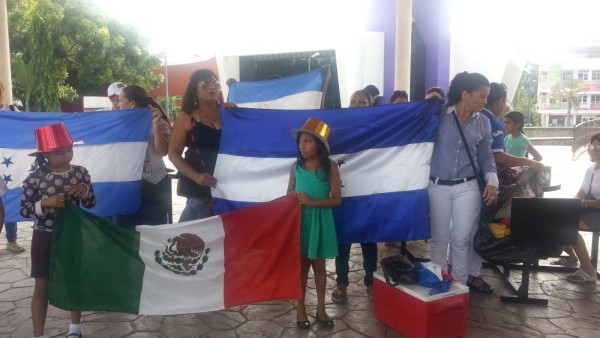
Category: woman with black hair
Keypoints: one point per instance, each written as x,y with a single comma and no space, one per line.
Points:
454,195
198,127
156,198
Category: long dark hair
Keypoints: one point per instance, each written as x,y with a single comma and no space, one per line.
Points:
322,155
41,163
189,102
465,81
139,96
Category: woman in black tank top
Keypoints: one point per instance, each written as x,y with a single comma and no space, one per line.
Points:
198,127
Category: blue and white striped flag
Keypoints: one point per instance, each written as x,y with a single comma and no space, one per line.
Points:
383,154
113,151
302,91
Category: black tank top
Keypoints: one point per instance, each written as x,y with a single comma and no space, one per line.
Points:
202,144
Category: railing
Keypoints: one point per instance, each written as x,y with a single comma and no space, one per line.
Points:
582,133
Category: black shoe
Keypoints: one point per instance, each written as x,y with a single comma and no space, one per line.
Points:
304,325
325,323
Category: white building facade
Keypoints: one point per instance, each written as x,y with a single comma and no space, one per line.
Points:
584,66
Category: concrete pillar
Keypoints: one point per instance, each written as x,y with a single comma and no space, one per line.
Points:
403,39
5,75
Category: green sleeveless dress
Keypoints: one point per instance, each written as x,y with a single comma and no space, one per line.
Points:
317,229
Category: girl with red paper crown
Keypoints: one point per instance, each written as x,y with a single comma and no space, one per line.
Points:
54,183
316,181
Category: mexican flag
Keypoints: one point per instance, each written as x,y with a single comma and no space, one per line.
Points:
246,256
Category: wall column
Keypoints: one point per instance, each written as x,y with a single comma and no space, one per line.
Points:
5,74
403,40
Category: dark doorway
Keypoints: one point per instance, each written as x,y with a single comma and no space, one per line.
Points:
418,57
262,67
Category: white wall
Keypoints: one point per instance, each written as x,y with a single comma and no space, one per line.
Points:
359,61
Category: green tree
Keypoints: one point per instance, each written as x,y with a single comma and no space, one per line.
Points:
525,98
23,75
174,106
71,48
567,91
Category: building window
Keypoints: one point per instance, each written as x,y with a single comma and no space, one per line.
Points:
595,99
583,99
582,75
595,75
567,75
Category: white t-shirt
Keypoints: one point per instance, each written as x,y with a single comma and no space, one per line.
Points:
154,166
592,177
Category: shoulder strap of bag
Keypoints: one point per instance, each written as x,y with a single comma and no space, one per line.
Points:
462,136
589,192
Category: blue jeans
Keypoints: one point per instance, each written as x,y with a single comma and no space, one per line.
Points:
342,268
11,232
197,208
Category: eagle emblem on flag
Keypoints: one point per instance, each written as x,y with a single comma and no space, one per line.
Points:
185,254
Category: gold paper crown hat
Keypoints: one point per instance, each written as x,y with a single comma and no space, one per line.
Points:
316,128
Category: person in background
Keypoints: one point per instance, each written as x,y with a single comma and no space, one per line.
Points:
197,128
11,227
374,93
315,179
494,110
515,142
435,92
454,195
113,92
359,98
156,199
399,96
589,219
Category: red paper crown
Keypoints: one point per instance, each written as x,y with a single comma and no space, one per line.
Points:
52,137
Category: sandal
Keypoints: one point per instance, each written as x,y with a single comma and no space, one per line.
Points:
75,335
565,261
328,323
339,294
477,284
15,247
581,276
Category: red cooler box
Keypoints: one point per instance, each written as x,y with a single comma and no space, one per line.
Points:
410,309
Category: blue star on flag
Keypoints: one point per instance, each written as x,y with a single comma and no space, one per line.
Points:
7,161
7,179
340,163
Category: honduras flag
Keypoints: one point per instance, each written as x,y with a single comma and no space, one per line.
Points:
113,151
383,154
302,91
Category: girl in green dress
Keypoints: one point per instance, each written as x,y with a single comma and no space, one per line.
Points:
316,182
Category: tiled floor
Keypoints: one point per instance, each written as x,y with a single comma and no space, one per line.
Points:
573,310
